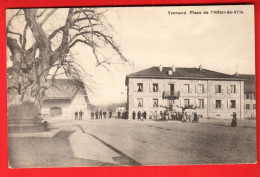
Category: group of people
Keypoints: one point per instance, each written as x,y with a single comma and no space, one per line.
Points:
79,115
167,115
139,115
100,114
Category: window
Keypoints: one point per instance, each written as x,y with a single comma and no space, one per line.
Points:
232,103
186,88
201,103
247,96
253,96
155,87
247,106
140,87
200,88
218,104
254,106
186,102
139,102
233,89
218,88
155,103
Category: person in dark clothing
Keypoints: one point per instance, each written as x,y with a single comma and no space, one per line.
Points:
104,114
144,114
195,119
134,115
119,114
110,114
80,114
92,115
234,120
100,114
96,114
76,115
161,114
139,115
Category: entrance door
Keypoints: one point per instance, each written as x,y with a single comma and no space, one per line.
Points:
55,111
172,89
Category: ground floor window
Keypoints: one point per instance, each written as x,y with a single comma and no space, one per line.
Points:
218,104
186,102
155,102
139,102
232,103
201,103
254,106
247,106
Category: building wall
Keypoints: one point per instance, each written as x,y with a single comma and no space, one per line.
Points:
209,96
68,107
250,105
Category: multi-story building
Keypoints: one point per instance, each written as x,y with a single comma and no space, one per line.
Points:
212,94
250,98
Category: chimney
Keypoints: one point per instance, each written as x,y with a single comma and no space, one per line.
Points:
173,68
200,67
160,68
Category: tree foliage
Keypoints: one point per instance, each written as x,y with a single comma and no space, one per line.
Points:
36,48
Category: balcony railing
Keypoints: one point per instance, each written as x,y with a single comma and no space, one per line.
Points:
171,95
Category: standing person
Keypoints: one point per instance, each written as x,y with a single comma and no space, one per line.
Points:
234,120
104,114
80,114
118,114
110,114
144,114
134,115
139,115
96,114
100,114
92,114
76,115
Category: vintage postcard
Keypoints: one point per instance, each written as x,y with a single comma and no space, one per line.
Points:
131,86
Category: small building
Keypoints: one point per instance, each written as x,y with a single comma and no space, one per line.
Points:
212,94
64,98
250,98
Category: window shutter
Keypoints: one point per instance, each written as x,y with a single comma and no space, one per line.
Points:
213,104
222,89
190,88
228,105
135,102
228,89
150,87
182,88
205,103
204,89
181,102
136,87
216,88
236,89
222,104
196,102
237,104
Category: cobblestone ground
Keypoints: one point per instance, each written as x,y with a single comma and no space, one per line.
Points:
116,142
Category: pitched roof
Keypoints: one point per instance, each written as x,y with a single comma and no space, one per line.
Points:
65,89
193,73
249,82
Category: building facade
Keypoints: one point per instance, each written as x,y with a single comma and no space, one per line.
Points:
211,94
64,98
250,97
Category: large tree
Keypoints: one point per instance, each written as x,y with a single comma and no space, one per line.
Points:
36,49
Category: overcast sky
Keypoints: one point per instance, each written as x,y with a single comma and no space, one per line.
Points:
149,36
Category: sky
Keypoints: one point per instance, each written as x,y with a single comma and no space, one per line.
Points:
149,36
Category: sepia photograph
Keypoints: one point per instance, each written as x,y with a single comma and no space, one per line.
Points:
131,86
